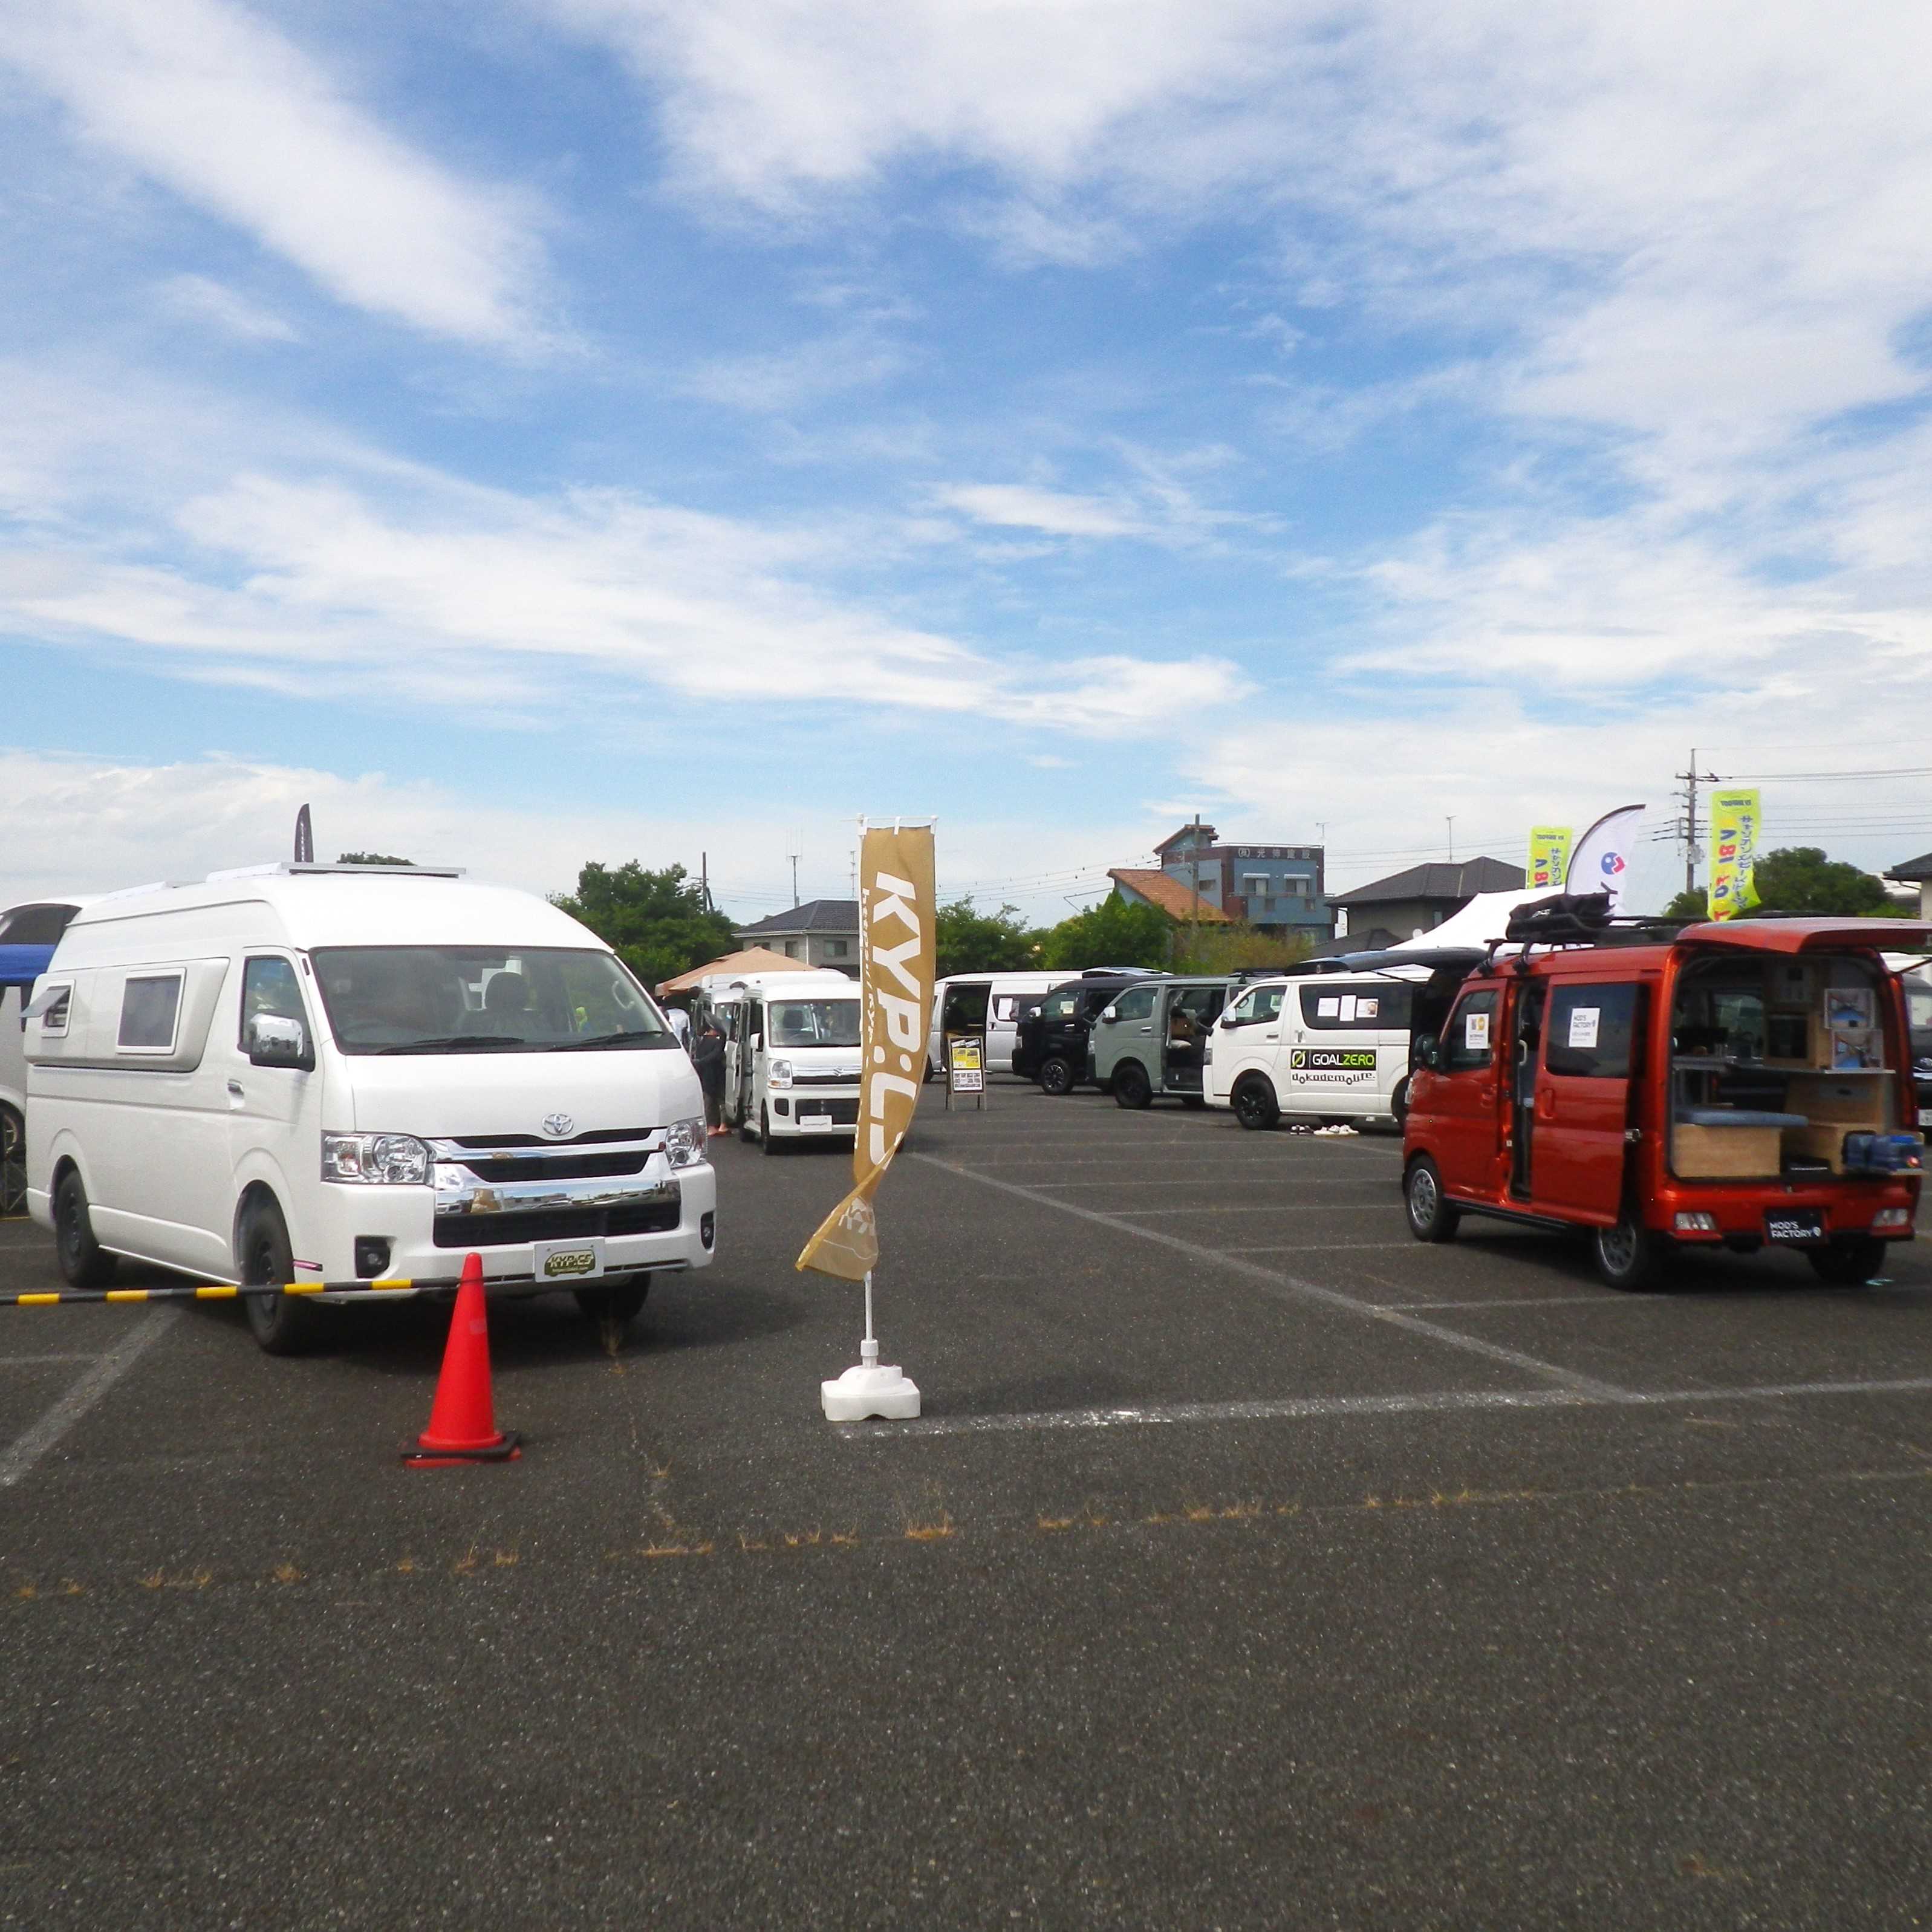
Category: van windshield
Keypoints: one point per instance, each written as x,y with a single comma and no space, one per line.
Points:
465,999
814,1023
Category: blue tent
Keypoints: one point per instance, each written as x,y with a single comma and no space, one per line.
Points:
22,965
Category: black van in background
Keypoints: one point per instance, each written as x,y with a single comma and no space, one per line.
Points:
1051,1046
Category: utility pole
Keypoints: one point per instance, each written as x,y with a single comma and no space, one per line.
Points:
1693,852
704,881
1195,944
1451,818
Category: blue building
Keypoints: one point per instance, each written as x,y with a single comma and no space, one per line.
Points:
1278,888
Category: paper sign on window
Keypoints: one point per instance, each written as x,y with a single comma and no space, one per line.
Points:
1328,1010
1348,1009
1367,1009
1583,1025
1476,1032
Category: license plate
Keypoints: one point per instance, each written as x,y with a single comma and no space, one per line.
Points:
1794,1224
814,1123
569,1260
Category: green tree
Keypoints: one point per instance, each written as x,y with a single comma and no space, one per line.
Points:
1800,879
1113,933
371,859
1226,949
968,940
657,922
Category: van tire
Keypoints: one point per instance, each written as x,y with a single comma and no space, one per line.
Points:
1056,1077
1629,1255
1132,1088
84,1262
280,1323
766,1144
1398,1102
1849,1261
621,1301
1431,1218
1255,1105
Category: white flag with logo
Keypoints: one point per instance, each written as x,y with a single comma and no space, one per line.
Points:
1599,863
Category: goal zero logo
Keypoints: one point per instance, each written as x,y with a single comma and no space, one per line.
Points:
1333,1065
570,1261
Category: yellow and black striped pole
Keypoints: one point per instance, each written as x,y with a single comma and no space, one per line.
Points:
220,1291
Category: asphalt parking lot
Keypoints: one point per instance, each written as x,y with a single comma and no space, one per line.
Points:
1251,1565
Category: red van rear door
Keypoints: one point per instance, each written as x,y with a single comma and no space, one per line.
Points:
1590,1041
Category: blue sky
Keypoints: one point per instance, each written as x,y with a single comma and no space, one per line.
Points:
543,430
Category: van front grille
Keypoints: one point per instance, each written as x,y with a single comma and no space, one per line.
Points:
556,1224
556,1167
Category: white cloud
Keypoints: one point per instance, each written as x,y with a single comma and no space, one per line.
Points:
1059,513
196,299
796,378
229,114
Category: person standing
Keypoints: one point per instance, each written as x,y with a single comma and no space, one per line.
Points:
707,1055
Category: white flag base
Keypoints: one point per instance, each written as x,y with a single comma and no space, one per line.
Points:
869,1390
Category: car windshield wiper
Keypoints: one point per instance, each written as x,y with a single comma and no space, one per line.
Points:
458,1042
610,1039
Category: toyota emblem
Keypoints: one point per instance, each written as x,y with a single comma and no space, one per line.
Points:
558,1126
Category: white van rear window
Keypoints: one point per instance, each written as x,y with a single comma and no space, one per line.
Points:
149,1008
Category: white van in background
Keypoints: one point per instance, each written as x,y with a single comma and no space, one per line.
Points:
333,1073
29,933
1332,1046
791,1054
991,1004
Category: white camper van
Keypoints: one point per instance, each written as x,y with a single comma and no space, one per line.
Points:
333,1073
1334,1045
992,1004
791,1054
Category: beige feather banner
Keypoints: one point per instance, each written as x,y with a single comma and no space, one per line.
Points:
895,954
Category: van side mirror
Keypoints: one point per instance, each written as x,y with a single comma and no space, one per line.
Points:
274,1041
755,1042
1428,1051
1108,1015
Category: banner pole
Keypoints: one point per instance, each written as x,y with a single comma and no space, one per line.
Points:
869,1349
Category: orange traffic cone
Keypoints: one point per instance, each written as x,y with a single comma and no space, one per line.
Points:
463,1419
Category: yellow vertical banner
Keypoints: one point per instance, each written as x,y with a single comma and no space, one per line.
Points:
1735,820
1549,857
895,961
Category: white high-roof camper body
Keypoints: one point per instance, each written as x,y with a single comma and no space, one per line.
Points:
317,1073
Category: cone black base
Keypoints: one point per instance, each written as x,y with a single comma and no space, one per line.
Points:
509,1450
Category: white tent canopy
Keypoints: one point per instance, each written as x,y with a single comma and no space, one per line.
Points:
1480,923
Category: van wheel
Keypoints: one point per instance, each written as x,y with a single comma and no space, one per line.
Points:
1131,1087
84,1262
620,1301
1255,1106
1398,1101
1849,1261
282,1324
1056,1077
1431,1218
765,1143
1629,1255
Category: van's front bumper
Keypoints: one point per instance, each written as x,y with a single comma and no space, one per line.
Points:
806,1113
662,1218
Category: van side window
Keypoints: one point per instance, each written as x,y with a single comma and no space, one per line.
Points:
53,1017
269,986
1468,1039
1135,1003
1329,1008
1588,1034
1262,1005
149,1007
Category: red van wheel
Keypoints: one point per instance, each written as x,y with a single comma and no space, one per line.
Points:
1430,1217
1628,1256
1849,1261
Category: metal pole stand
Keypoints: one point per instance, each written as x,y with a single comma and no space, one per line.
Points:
869,1390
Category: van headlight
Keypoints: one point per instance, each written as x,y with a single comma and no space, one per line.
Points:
684,1143
401,1158
779,1074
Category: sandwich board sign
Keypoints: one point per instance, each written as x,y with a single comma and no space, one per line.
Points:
966,1067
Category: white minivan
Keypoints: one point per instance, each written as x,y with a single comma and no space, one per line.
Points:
791,1054
991,1004
1330,1045
325,1073
29,933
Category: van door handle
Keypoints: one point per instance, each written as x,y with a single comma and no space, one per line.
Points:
1270,1036
235,1096
1148,1027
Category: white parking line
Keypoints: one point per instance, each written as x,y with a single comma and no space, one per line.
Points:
20,1457
1272,1281
36,1361
1302,1408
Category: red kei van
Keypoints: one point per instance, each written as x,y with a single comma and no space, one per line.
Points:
1747,1084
